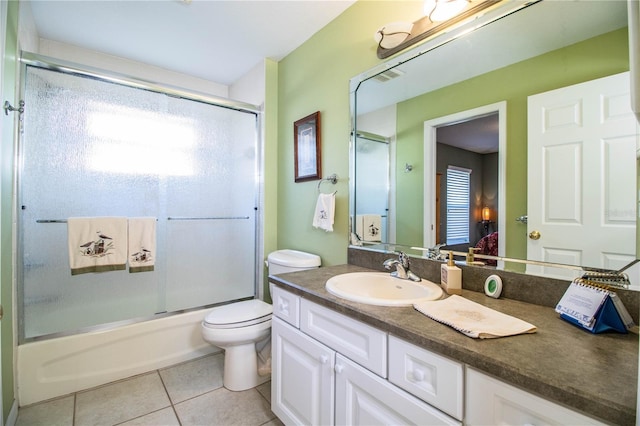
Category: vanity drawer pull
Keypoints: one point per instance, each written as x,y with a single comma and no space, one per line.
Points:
416,376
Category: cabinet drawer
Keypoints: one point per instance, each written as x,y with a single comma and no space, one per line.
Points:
362,398
431,377
356,340
286,305
491,401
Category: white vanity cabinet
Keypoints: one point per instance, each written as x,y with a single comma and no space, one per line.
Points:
490,401
302,377
333,369
362,398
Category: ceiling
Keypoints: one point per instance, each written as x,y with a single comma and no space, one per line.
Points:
217,40
479,135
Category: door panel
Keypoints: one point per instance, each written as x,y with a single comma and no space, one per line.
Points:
582,165
302,385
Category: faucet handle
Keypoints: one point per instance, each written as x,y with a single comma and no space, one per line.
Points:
404,259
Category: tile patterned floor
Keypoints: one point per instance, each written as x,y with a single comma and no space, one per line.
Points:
188,394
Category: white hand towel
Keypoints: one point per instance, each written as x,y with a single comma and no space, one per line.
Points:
142,244
324,213
472,319
97,244
371,227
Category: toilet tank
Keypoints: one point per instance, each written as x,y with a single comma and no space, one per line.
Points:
281,261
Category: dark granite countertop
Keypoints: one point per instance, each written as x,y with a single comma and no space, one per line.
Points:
593,374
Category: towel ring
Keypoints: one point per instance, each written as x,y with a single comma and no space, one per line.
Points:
331,178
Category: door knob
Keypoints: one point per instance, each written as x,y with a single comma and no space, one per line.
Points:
534,235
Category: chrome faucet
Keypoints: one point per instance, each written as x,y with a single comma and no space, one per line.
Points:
402,268
434,252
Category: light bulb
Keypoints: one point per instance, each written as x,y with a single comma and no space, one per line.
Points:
441,10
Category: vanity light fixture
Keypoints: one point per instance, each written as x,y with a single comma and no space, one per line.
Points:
439,15
393,34
441,10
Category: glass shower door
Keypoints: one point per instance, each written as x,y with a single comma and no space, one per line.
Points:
94,148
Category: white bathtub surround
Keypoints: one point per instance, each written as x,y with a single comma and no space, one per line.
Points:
55,367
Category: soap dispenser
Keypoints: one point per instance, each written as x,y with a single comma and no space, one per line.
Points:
470,255
451,277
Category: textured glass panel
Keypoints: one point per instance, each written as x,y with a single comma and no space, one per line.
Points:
93,148
223,156
63,176
209,260
221,190
372,177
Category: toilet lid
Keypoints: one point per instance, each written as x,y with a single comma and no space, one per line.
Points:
254,311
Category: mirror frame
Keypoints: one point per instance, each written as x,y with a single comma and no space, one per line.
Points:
424,47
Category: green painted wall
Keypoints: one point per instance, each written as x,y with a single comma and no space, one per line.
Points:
594,58
6,202
270,169
315,77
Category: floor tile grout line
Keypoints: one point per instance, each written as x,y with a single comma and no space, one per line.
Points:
73,417
173,407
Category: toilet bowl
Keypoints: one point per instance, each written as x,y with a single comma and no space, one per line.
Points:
236,328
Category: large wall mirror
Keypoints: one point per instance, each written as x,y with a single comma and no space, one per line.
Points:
467,116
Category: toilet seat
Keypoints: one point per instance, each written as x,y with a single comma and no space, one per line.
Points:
239,314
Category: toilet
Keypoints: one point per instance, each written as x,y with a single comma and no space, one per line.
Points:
238,326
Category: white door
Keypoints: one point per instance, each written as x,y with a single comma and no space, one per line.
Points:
582,176
363,398
302,379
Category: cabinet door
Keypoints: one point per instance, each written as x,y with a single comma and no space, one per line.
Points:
302,380
491,401
362,398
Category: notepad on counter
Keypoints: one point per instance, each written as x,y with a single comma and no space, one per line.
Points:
594,308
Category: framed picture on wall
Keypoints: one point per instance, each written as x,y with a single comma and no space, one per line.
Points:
306,148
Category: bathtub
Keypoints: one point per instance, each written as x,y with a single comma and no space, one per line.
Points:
60,366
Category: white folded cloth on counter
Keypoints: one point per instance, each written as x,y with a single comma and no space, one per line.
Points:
142,244
324,212
472,319
97,244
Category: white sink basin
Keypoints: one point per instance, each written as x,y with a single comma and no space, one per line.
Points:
380,288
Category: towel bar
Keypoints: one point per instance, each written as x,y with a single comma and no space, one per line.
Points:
331,178
209,218
169,218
